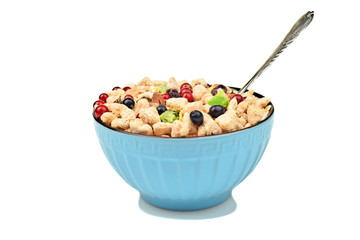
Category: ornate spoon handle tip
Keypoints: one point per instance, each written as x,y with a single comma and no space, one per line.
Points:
300,25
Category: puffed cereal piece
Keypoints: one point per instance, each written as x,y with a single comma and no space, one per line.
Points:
173,84
248,93
229,121
199,91
241,108
149,115
183,128
262,102
107,118
152,104
137,90
145,82
257,114
251,100
193,106
141,104
112,99
187,121
209,126
153,88
138,126
242,121
159,82
232,104
179,129
161,128
247,125
198,81
121,123
206,108
244,115
120,110
114,95
206,97
147,95
176,104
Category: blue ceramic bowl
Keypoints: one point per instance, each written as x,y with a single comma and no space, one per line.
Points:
185,173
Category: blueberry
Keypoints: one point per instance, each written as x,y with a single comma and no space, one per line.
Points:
197,117
216,111
161,109
129,102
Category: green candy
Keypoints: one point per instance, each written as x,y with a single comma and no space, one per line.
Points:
169,116
162,88
219,99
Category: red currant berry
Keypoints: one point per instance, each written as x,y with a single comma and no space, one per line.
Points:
238,97
126,88
184,90
99,110
116,88
188,96
166,96
98,103
186,85
103,97
129,96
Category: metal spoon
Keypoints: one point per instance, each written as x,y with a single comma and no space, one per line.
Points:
300,25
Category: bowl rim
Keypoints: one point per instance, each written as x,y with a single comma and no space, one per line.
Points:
190,138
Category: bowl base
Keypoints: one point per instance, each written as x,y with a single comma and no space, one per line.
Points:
186,205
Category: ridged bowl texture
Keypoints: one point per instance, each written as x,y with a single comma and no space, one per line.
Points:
185,173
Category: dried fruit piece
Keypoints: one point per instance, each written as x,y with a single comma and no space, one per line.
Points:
238,97
219,99
98,102
103,97
186,85
166,96
185,90
169,116
188,96
99,110
162,88
158,98
173,93
216,89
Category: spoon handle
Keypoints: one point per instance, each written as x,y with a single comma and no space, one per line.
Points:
300,25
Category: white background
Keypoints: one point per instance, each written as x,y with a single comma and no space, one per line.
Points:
56,57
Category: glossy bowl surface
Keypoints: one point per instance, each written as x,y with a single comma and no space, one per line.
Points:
185,173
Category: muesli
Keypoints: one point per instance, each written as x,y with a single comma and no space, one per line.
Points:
179,108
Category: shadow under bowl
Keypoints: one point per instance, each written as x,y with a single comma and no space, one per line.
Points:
185,173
